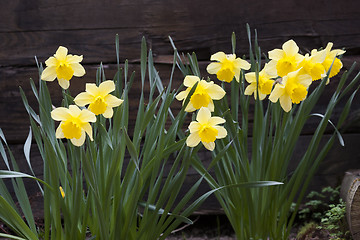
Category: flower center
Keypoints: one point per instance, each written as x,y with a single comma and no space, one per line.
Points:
64,70
71,129
207,133
265,85
226,73
285,65
98,106
296,91
200,97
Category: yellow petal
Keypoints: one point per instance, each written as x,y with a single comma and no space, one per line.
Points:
219,56
74,110
51,62
49,74
278,91
243,64
88,129
92,89
276,54
215,91
194,127
73,58
203,115
211,106
216,120
83,98
60,114
190,80
64,83
318,57
106,87
79,142
209,146
79,70
213,67
286,103
193,140
61,53
108,112
59,133
87,116
190,107
183,94
113,101
250,89
290,48
250,77
270,68
221,132
305,80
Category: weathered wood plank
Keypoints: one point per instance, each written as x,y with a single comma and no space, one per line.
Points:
89,27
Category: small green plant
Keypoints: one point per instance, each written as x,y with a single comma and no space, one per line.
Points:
334,221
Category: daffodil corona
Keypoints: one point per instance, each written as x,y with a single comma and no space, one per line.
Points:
75,123
292,89
264,83
227,66
203,95
285,60
63,66
312,64
99,98
206,130
332,56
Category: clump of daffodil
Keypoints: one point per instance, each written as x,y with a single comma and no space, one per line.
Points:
227,66
75,123
329,59
292,89
264,83
312,64
63,66
99,98
205,129
203,95
285,60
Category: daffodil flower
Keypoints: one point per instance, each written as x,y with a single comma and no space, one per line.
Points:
203,95
329,59
312,64
99,98
74,123
205,129
285,60
264,83
227,66
292,89
63,66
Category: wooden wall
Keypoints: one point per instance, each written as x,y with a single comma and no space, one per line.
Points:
88,27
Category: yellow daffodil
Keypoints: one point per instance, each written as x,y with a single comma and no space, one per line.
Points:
74,123
329,59
227,66
285,60
99,98
312,64
292,89
206,130
203,95
62,192
264,83
63,66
